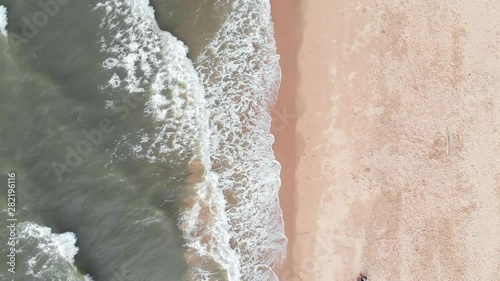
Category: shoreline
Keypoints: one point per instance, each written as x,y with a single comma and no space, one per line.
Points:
286,19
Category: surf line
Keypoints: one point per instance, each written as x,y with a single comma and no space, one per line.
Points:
11,222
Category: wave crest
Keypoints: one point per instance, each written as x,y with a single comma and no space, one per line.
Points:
55,253
3,21
241,75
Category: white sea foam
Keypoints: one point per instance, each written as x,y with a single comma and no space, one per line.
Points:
241,75
3,20
156,62
234,219
55,253
149,65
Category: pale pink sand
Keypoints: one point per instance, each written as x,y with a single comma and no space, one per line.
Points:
383,85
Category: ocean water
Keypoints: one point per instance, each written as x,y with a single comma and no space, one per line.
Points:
139,135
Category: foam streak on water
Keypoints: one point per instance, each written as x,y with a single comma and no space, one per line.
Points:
152,65
3,20
232,222
148,60
241,75
55,253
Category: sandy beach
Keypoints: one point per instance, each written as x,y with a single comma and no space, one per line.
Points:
387,128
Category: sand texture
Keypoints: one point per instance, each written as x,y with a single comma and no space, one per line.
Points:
394,166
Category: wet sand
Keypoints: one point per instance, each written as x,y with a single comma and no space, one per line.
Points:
286,16
393,165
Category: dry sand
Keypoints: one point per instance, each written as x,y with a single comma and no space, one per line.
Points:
393,165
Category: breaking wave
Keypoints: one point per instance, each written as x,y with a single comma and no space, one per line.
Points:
215,114
3,20
241,75
154,63
55,253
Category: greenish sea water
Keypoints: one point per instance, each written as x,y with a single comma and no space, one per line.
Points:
138,134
